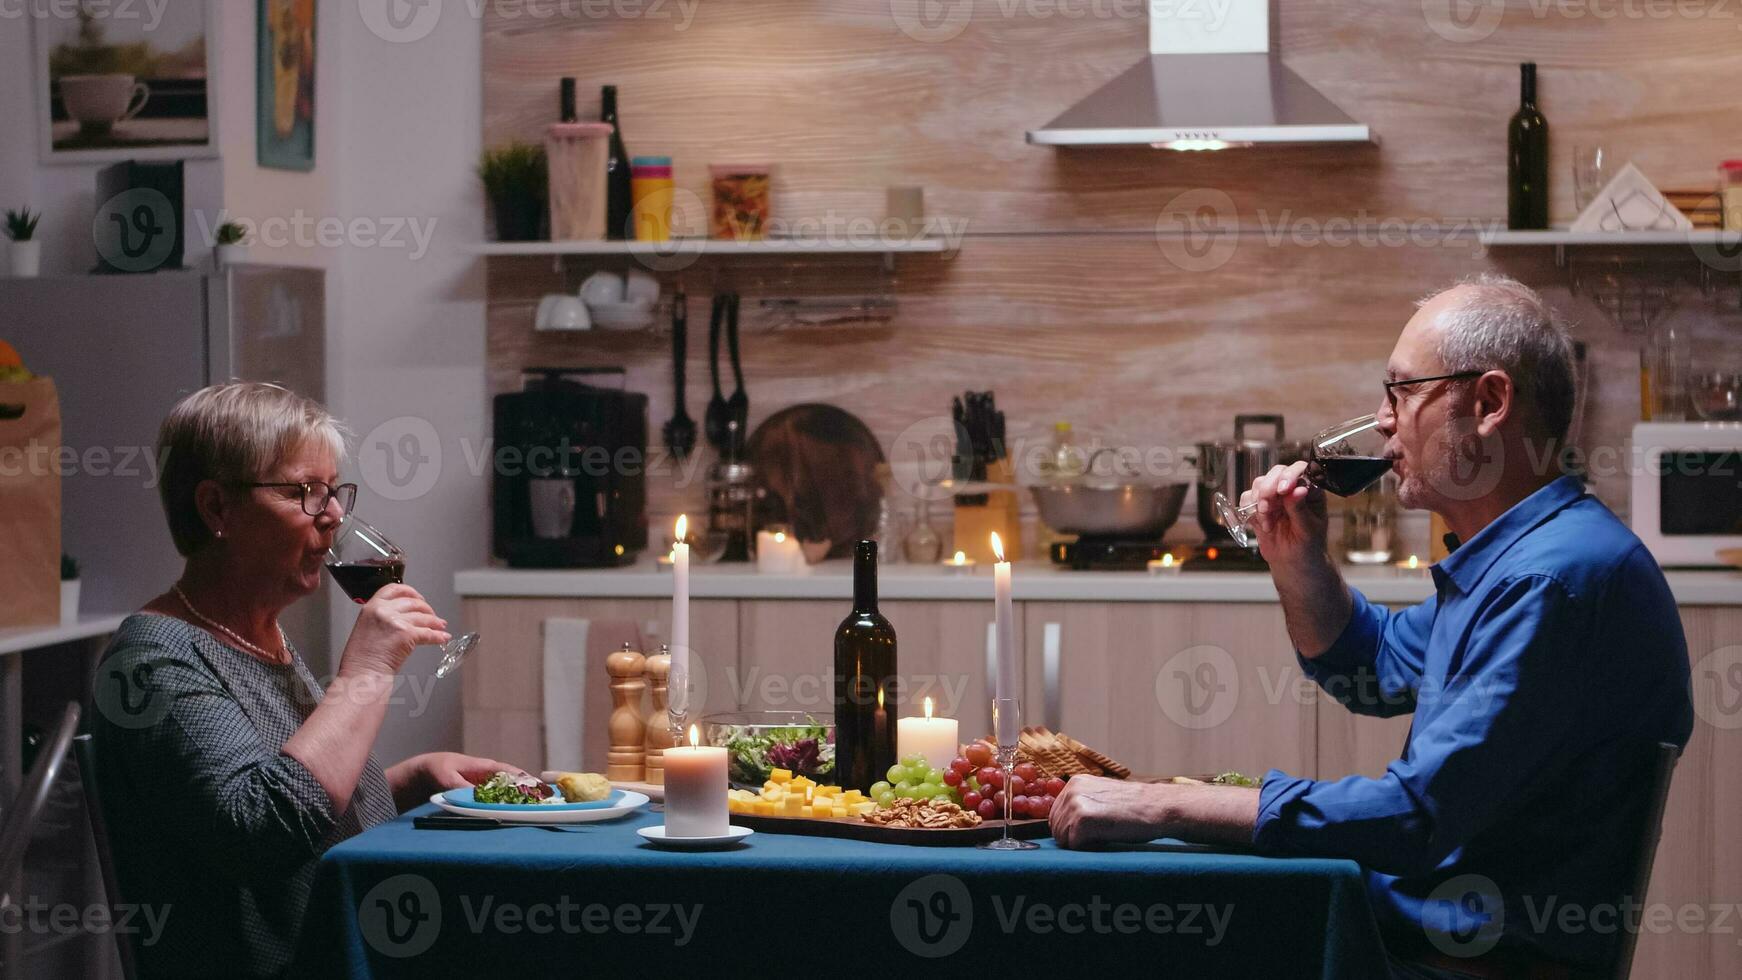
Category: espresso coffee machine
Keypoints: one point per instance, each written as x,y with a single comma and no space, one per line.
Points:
569,472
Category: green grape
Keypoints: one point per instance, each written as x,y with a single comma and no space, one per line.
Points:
904,788
914,762
897,773
935,777
877,789
886,798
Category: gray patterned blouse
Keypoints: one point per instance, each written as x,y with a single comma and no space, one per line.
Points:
210,822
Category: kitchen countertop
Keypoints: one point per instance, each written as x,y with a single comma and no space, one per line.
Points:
1032,581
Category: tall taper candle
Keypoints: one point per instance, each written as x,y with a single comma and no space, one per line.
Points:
1003,615
678,682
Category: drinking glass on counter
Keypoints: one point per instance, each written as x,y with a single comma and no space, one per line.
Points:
1344,459
363,562
1593,168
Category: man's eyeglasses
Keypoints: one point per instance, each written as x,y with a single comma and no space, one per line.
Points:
316,495
1392,386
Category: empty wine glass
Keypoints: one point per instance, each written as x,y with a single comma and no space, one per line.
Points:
363,561
1344,459
1007,732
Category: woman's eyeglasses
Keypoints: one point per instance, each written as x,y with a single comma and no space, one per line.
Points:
315,494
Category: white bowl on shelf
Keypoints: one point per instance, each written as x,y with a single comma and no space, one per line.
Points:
621,316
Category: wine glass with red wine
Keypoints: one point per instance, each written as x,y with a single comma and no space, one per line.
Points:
1344,459
363,562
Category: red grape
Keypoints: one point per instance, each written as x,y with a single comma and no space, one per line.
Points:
989,810
1054,786
1019,808
1040,806
952,778
989,776
971,800
998,801
1028,771
979,753
1018,785
961,766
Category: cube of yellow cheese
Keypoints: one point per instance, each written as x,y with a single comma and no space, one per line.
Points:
763,808
852,796
780,775
773,793
840,811
831,790
792,804
860,809
801,782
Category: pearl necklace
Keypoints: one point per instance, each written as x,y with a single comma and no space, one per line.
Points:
281,659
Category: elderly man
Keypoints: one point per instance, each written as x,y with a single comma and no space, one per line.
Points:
1541,674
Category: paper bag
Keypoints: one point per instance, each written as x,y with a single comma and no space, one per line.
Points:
30,440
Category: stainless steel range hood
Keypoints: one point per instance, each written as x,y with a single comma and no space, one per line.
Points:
1210,82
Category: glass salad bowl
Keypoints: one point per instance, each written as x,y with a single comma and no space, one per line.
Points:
759,742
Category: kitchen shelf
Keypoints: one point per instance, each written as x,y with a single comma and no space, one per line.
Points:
1563,236
680,248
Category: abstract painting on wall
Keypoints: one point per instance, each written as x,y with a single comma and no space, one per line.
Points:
285,89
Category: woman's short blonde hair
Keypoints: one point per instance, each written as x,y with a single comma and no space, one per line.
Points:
232,433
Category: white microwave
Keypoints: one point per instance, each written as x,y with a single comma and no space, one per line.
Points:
1687,490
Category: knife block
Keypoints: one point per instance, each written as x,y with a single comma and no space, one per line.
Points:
1002,512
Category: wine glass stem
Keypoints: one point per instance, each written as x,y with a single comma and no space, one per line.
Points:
1007,769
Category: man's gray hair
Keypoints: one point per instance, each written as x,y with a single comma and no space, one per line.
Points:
1500,324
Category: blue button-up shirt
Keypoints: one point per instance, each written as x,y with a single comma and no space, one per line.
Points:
1541,674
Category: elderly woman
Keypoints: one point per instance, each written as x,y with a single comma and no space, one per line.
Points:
228,770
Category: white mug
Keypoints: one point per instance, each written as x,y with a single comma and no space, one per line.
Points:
101,101
558,311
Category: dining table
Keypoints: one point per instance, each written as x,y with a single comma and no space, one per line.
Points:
403,901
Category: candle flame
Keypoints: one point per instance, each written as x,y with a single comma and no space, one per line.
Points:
928,709
1414,562
695,737
1167,560
780,537
879,697
683,527
961,558
997,546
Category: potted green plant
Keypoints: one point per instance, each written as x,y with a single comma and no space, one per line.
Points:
229,248
516,179
69,590
24,253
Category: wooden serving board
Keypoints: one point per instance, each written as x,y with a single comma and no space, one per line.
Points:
853,828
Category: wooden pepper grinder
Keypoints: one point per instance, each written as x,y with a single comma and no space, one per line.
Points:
626,759
659,734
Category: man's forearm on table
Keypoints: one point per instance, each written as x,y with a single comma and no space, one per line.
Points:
1211,814
1315,603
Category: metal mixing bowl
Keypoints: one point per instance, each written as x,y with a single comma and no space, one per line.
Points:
1127,510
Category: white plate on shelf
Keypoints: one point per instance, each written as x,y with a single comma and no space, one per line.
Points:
544,813
656,835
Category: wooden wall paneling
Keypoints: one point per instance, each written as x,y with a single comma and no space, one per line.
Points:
503,692
1179,688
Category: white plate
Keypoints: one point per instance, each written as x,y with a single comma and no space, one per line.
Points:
656,835
535,813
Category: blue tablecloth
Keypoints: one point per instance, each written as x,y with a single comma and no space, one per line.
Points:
596,900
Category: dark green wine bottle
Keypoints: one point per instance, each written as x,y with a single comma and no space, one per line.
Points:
1527,159
619,202
864,673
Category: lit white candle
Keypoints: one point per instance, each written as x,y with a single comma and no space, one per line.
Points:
959,565
778,553
695,790
934,738
679,678
1004,616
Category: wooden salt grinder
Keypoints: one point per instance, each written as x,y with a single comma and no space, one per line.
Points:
626,758
659,734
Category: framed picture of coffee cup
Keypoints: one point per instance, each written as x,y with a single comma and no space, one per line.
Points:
124,81
285,84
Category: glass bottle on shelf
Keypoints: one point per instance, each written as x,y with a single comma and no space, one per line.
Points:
922,545
888,535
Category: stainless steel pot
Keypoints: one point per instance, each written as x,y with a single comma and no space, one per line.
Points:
1230,466
1135,510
